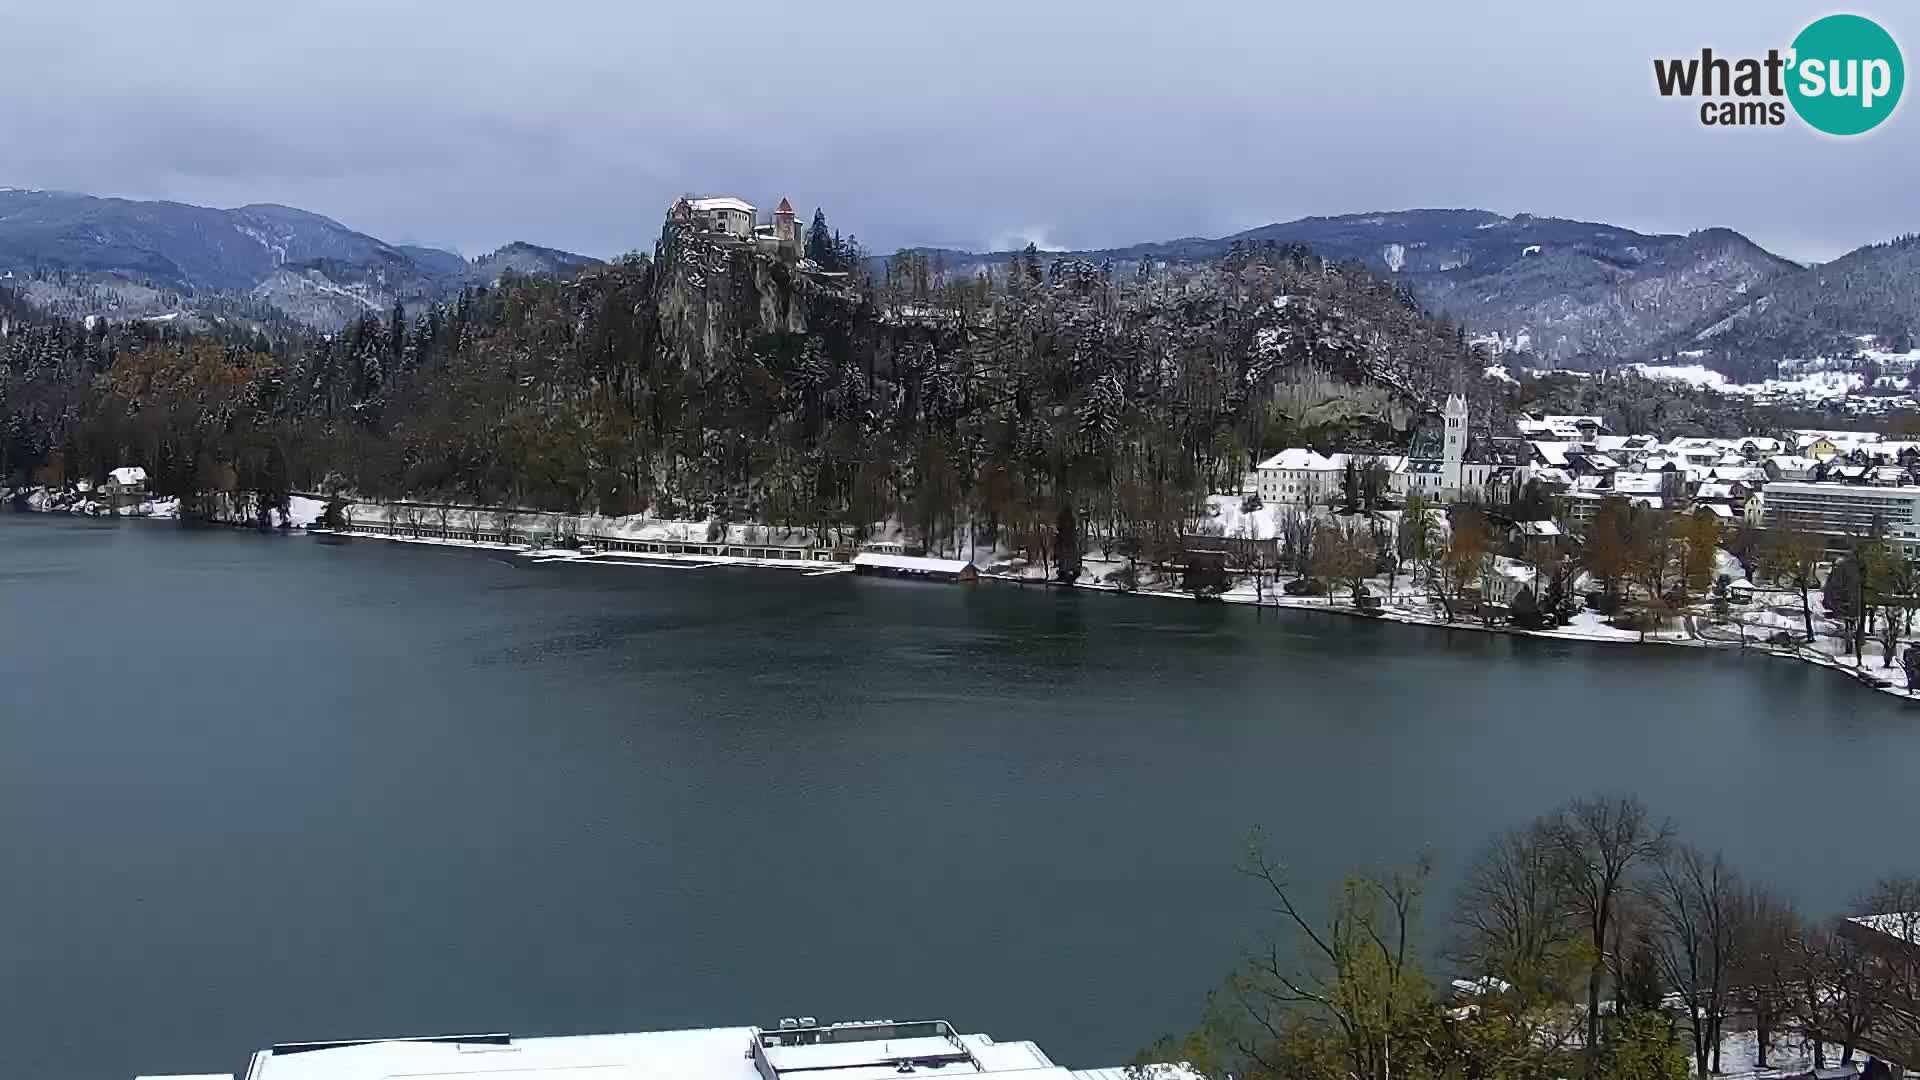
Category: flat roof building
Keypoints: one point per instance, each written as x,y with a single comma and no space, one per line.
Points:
796,1050
1843,511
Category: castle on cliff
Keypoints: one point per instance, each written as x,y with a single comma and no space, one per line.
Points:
735,221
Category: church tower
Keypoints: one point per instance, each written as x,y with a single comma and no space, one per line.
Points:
785,229
1454,448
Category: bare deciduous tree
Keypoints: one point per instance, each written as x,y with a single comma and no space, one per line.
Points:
1762,972
1694,898
1512,914
1600,840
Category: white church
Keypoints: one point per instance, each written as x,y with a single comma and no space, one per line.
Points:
1449,465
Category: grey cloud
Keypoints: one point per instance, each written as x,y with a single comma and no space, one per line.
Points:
574,124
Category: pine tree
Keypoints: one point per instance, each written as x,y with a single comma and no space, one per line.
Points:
397,332
822,247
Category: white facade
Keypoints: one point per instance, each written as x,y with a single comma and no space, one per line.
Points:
725,214
1840,511
1300,478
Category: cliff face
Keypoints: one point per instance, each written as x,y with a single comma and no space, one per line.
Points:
715,299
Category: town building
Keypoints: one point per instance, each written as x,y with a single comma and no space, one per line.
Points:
127,481
1789,467
1508,578
795,1050
1566,428
1299,477
125,486
1841,512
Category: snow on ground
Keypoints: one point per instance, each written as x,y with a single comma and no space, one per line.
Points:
1814,385
1499,373
1725,563
1692,374
1788,1055
304,510
1900,362
1225,512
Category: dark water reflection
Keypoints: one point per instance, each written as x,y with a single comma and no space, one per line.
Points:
257,789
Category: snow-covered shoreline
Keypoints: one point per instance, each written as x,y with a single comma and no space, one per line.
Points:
1587,626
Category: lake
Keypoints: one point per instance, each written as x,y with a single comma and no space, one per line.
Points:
264,788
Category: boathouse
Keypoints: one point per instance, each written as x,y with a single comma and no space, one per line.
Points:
875,562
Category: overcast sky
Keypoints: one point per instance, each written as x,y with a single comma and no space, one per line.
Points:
977,124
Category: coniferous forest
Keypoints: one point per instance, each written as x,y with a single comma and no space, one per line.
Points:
711,380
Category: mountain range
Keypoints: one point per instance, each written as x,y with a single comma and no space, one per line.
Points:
1578,293
1564,292
83,255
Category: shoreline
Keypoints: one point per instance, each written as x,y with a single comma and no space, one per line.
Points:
1593,633
1597,634
1408,618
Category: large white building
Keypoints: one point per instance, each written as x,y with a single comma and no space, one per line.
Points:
796,1050
1843,511
1300,478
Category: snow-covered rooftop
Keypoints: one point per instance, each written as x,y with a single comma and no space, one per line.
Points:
699,1054
873,1050
722,202
913,563
1298,458
1551,452
128,475
1904,925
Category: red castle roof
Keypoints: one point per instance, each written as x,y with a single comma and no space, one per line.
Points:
785,207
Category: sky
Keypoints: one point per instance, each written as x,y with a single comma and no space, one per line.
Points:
574,123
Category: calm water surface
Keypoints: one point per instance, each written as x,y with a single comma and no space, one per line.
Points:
256,789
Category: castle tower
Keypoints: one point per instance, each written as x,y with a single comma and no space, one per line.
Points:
784,228
1454,449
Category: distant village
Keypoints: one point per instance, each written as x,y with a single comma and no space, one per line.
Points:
1780,521
1837,484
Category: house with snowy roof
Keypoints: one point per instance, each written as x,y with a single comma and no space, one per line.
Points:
1300,477
1568,428
1509,576
1537,540
1815,445
1791,467
123,486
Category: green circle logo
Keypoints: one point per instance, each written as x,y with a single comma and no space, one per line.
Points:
1846,76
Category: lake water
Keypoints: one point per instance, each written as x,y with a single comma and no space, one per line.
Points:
261,788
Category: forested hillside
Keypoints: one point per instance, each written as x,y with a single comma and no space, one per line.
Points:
1823,310
1576,293
711,380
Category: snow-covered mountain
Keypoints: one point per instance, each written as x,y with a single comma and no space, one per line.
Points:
127,258
1568,290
